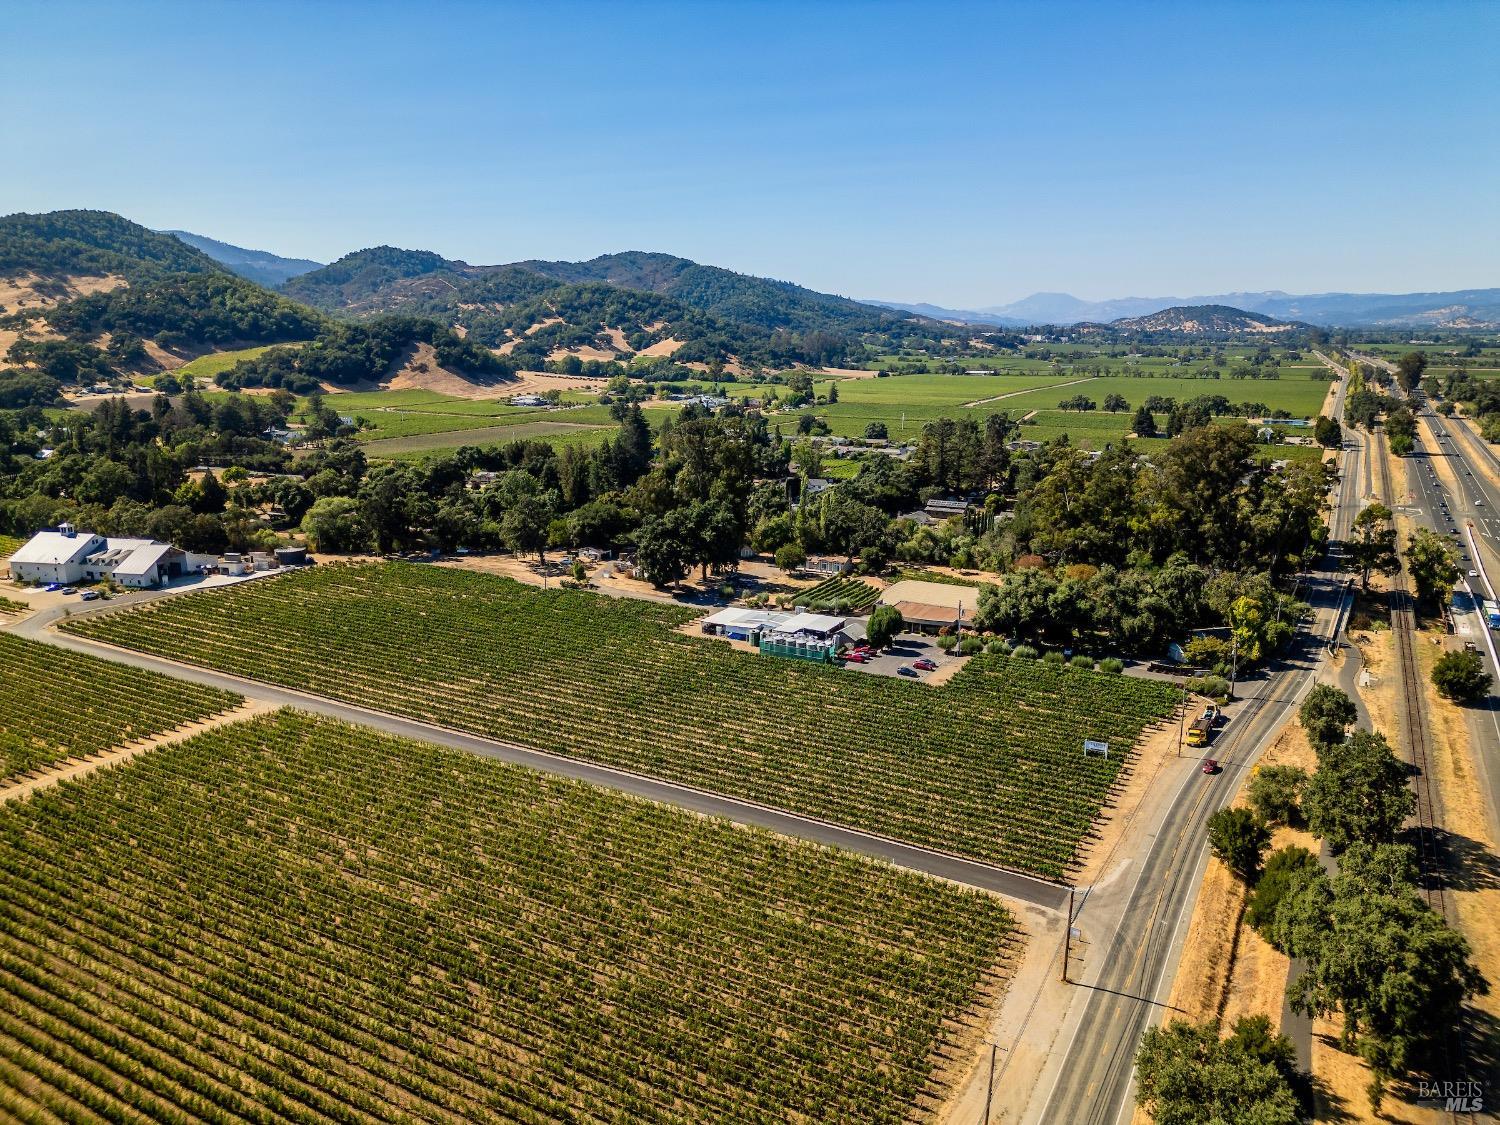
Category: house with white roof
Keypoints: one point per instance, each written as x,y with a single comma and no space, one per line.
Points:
68,555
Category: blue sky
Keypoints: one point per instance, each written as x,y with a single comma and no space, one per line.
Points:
955,153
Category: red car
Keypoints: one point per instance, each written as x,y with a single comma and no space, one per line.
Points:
924,664
1210,765
857,657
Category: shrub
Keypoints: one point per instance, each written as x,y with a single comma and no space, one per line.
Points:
946,643
1053,657
1239,838
884,623
1025,652
1284,869
969,646
1215,687
1460,676
1083,662
1276,794
1112,664
1206,652
997,647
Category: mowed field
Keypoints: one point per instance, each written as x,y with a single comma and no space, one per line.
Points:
290,919
205,367
559,434
56,704
905,403
989,766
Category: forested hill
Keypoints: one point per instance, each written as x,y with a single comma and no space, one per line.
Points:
259,266
734,296
1204,320
90,297
609,307
372,280
68,244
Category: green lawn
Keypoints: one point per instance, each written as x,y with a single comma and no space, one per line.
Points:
418,445
207,366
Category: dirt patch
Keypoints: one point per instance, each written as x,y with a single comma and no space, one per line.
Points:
617,340
661,348
584,351
32,291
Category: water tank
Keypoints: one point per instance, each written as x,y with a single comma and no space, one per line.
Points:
291,556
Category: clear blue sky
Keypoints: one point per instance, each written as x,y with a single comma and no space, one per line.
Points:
960,154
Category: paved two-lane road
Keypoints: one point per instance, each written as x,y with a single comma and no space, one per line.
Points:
1011,884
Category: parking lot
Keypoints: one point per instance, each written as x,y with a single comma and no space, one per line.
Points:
903,651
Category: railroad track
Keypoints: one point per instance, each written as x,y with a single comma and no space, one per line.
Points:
1413,722
1415,736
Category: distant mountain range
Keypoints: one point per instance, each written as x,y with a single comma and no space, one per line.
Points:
1463,308
260,266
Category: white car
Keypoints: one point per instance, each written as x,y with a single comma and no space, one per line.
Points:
1473,574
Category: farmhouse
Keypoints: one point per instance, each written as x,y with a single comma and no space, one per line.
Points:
829,566
928,607
68,555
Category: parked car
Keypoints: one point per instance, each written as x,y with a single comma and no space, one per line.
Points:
924,664
70,589
51,586
906,670
90,595
1473,574
1210,765
856,658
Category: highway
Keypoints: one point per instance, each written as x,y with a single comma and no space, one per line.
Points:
1129,971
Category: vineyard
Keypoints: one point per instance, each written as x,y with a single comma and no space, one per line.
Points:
56,704
9,545
11,606
989,766
837,595
291,919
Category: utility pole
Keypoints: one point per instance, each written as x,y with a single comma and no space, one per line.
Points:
1234,660
989,1089
1067,937
1182,716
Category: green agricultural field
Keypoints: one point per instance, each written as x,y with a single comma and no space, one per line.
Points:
290,919
56,704
9,545
420,444
205,367
1302,398
937,390
356,402
988,766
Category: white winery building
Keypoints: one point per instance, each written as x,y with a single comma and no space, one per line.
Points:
68,555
